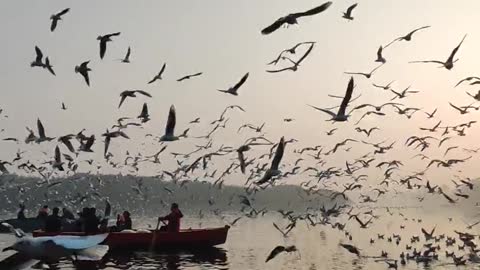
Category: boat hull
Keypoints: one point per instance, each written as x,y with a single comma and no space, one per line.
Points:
185,239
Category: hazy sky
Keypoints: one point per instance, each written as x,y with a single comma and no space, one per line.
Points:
222,39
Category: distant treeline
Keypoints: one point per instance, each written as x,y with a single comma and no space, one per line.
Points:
147,195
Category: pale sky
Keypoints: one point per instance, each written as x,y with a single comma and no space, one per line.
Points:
222,39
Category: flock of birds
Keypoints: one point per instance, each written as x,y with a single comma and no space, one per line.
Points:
263,173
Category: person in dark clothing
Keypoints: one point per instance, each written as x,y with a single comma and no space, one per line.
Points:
43,212
67,214
91,221
173,219
128,221
21,212
53,223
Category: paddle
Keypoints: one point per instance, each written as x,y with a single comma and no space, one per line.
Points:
154,236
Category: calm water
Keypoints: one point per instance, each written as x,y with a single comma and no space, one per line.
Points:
251,240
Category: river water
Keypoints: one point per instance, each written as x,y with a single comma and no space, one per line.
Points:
251,240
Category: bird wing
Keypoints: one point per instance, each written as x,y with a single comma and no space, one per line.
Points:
39,54
274,26
170,128
49,67
241,159
277,250
58,156
324,110
279,70
122,99
278,154
53,25
103,48
241,82
346,99
113,34
144,112
163,69
90,142
41,130
314,11
63,12
127,56
76,242
85,76
418,29
350,9
143,93
452,55
107,144
306,54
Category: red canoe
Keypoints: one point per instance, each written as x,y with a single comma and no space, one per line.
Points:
190,238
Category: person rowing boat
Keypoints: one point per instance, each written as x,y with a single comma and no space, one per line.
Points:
173,219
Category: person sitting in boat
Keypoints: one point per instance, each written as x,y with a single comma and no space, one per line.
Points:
53,223
91,221
21,212
173,219
67,214
43,212
127,225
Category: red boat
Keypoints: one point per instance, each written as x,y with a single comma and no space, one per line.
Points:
190,238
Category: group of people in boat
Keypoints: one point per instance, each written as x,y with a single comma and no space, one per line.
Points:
89,222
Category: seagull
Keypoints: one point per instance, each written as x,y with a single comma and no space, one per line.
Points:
126,59
273,170
144,114
108,137
476,96
57,162
449,63
60,246
48,66
87,146
351,249
66,141
279,249
384,87
407,37
340,116
131,93
292,18
159,75
41,133
189,76
57,17
169,135
83,69
367,75
38,62
468,79
348,15
291,51
234,90
295,64
3,169
380,57
103,42
64,107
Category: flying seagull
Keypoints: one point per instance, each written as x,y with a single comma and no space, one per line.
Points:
292,50
279,249
103,42
83,69
367,75
159,75
449,63
170,127
38,62
41,133
144,114
131,93
292,18
348,15
234,90
57,17
126,59
189,76
57,162
407,37
340,116
273,170
295,64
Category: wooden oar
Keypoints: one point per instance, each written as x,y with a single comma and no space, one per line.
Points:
154,236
